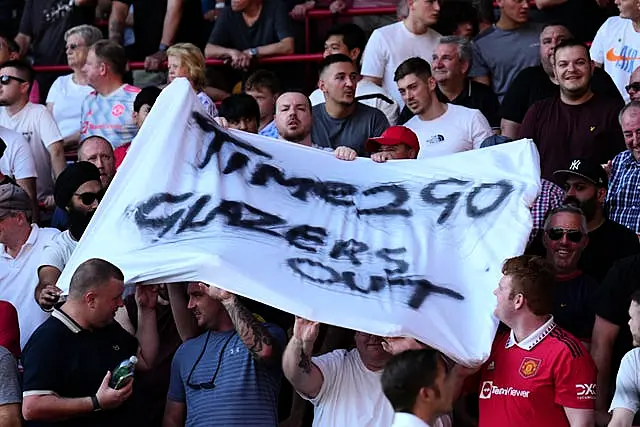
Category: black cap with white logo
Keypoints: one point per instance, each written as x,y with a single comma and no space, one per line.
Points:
587,169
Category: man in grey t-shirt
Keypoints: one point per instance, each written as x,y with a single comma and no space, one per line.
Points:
10,393
502,51
341,121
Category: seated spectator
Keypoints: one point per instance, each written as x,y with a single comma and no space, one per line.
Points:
625,172
78,192
10,51
9,328
108,110
241,111
293,118
264,87
141,108
577,123
157,25
615,46
17,162
450,64
633,88
418,385
539,82
389,46
186,60
34,122
565,237
349,39
70,383
21,246
243,391
581,18
441,128
99,151
251,29
458,18
626,401
395,143
511,45
342,121
68,92
10,390
42,27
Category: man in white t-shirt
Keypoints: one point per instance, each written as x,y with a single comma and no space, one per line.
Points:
441,128
78,191
108,111
34,122
344,386
392,44
21,245
626,400
349,39
616,46
16,161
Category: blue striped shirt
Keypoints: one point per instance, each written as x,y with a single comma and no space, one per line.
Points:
623,197
246,391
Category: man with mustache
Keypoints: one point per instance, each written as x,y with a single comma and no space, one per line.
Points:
78,191
577,123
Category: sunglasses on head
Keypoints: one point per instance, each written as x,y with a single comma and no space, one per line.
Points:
88,198
558,233
635,86
6,79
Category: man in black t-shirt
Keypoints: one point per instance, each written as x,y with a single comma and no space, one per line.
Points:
537,83
67,357
251,29
585,183
43,25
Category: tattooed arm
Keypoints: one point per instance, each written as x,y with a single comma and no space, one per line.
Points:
301,372
119,12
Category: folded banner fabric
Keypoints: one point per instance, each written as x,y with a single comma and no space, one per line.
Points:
407,247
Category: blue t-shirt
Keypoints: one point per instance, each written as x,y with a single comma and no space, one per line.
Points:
245,391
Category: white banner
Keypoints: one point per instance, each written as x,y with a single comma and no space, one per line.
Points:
403,248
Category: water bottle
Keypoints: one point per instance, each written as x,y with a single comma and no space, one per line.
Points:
123,373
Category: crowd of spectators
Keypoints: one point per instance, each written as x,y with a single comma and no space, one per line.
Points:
438,78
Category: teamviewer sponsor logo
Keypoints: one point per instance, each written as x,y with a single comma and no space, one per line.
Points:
488,390
586,391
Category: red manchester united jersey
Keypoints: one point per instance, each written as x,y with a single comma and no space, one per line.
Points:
528,383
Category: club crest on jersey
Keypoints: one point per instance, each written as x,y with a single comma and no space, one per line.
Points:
529,367
117,110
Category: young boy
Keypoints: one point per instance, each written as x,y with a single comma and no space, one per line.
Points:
264,86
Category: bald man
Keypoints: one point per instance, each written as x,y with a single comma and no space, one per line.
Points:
99,151
293,118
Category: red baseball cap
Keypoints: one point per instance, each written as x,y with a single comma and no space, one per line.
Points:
393,136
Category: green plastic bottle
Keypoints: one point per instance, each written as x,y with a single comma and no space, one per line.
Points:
123,373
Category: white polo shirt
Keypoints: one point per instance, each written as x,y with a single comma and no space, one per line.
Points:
39,128
57,252
403,419
19,278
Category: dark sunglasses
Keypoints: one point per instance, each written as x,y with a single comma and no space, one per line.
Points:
73,46
635,86
558,233
6,79
210,384
89,198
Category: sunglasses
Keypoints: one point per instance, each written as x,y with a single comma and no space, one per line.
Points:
574,236
6,79
88,198
210,384
73,46
635,86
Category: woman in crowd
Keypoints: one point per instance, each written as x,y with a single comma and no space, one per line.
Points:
186,60
67,92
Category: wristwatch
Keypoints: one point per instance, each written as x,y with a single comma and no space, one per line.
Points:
95,403
163,47
253,52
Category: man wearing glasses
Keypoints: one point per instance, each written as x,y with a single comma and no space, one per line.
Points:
633,88
229,375
78,191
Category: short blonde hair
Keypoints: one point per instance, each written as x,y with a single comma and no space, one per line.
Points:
193,60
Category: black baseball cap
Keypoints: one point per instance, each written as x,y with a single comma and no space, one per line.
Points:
587,169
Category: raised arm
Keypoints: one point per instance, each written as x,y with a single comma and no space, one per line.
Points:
185,322
253,334
297,366
147,333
